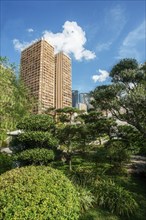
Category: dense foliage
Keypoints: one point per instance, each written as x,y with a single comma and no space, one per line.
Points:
37,132
14,100
125,98
37,193
6,162
115,198
33,139
37,156
37,123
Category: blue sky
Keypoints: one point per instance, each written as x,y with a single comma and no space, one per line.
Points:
95,34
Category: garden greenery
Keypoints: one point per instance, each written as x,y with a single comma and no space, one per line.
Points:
37,193
37,156
115,198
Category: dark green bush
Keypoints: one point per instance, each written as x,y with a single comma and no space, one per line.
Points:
117,152
37,156
82,177
115,198
37,123
37,193
35,139
6,162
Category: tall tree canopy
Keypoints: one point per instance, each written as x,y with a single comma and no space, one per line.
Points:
125,98
14,100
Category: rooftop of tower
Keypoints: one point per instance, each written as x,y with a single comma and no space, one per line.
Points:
35,42
42,39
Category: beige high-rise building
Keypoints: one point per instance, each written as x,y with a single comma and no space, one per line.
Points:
43,79
63,91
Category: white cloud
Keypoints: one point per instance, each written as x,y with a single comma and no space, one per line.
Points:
71,41
101,77
134,43
21,46
30,30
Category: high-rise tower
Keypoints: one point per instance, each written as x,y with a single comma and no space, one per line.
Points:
38,73
48,77
75,98
63,94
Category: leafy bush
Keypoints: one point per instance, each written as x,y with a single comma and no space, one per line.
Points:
37,156
6,162
35,139
115,198
37,193
37,123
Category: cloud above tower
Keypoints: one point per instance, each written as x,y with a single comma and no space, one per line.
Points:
71,41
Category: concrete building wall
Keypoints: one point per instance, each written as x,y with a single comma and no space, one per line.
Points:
48,77
30,70
38,73
63,94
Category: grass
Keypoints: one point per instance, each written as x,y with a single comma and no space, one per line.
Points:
98,214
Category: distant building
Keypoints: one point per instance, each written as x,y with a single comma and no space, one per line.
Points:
85,98
48,77
82,106
75,98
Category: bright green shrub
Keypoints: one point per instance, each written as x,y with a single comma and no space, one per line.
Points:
6,162
115,198
37,156
35,193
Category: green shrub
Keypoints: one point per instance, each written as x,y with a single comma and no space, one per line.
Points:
6,162
37,156
117,152
37,193
115,198
34,139
37,123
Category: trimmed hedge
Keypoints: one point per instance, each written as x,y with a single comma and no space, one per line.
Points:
40,192
37,156
34,139
37,123
6,162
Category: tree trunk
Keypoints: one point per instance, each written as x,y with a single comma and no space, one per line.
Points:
70,164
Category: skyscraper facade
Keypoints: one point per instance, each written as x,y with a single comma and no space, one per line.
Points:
63,96
44,74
